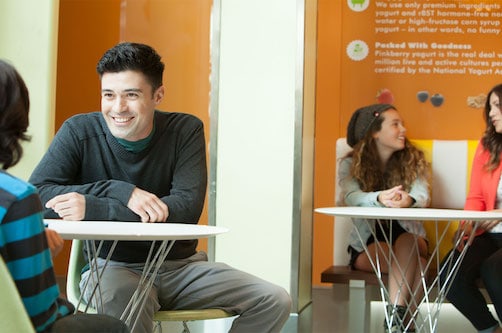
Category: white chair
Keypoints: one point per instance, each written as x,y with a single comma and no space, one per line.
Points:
77,262
13,315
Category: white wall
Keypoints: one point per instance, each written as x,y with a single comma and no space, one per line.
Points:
28,40
256,129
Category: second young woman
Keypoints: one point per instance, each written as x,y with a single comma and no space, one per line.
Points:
483,259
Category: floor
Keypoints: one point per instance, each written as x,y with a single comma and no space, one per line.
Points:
329,313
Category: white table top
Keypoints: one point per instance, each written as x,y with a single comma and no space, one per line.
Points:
424,214
112,230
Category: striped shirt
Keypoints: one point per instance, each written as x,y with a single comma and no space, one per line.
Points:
25,250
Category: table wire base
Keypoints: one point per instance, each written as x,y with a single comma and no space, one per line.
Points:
152,265
424,304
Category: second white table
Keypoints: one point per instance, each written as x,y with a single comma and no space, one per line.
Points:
434,291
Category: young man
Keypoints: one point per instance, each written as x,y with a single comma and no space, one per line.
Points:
131,162
24,242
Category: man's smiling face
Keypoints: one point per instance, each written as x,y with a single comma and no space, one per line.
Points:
128,104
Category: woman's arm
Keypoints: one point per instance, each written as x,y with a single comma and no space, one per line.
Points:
475,198
419,192
351,191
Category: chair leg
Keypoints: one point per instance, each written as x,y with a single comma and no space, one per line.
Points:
157,328
185,327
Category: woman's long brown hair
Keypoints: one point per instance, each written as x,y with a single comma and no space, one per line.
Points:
491,140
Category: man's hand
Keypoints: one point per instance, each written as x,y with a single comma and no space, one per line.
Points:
69,206
55,241
148,206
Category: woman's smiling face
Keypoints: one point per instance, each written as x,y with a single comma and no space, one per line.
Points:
495,114
392,135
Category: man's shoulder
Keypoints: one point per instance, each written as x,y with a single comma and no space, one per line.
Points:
178,120
85,118
177,116
85,124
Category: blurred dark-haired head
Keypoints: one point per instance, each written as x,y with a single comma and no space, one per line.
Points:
14,120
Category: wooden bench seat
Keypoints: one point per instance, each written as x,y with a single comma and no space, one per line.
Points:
344,274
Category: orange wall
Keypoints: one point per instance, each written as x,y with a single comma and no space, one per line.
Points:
344,85
178,29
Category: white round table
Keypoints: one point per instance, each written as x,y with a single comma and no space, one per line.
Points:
166,233
114,230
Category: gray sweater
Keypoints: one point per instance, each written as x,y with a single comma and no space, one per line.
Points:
85,157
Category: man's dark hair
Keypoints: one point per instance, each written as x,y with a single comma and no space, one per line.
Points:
135,57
